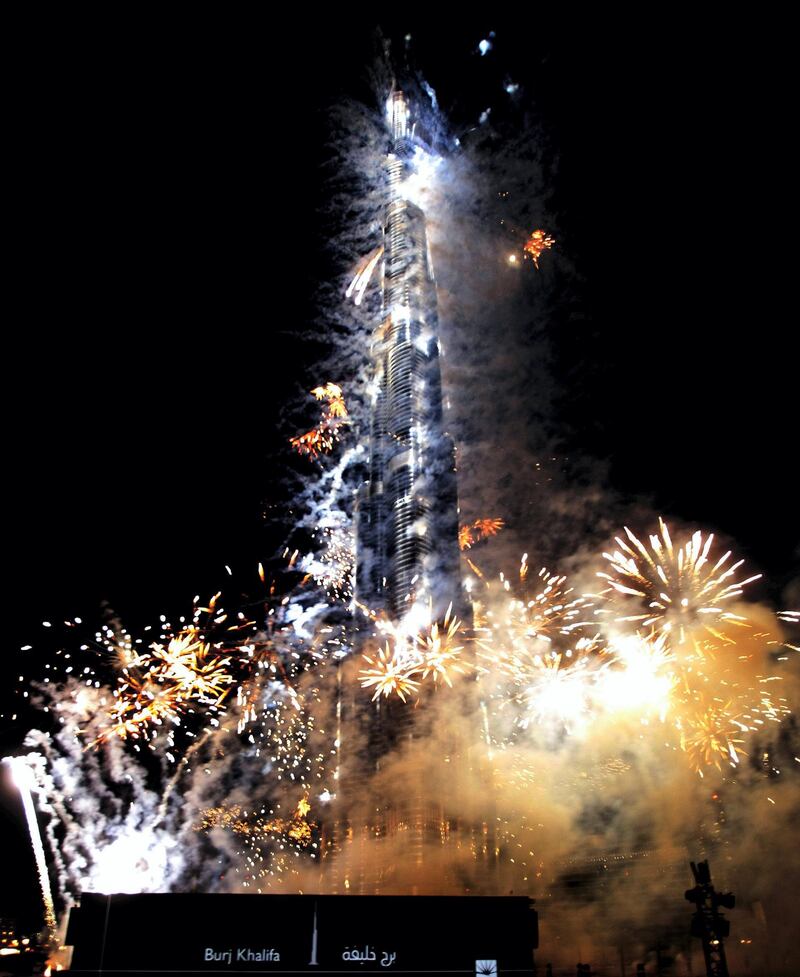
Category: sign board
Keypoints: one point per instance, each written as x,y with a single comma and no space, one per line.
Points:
193,934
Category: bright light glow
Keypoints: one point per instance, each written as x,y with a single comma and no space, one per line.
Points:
25,783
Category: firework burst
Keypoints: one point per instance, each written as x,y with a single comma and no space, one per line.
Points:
321,439
682,592
554,689
479,530
530,615
538,242
711,733
159,686
389,673
439,649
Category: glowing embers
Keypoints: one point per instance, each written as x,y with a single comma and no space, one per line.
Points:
296,829
321,439
412,654
538,242
479,530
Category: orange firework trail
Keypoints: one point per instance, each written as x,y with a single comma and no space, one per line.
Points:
536,245
321,439
479,530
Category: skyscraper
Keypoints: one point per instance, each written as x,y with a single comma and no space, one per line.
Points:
393,834
407,521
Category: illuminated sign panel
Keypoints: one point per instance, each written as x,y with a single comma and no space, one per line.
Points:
205,934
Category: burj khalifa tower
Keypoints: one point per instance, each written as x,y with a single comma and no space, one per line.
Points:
389,829
407,510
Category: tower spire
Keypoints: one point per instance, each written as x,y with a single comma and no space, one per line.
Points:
407,526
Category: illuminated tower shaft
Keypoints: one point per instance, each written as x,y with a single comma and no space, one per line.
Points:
408,507
406,553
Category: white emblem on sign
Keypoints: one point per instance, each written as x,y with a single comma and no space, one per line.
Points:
485,968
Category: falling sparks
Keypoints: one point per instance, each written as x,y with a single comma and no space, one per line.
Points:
538,242
332,566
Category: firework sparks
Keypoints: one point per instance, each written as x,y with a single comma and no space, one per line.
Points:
711,734
361,279
440,653
538,242
679,591
313,443
333,567
389,673
332,393
466,538
297,828
640,677
250,706
518,622
159,686
554,688
321,439
187,661
479,530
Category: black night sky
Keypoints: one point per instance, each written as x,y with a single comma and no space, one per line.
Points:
165,241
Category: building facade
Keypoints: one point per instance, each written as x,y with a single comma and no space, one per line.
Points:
407,508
